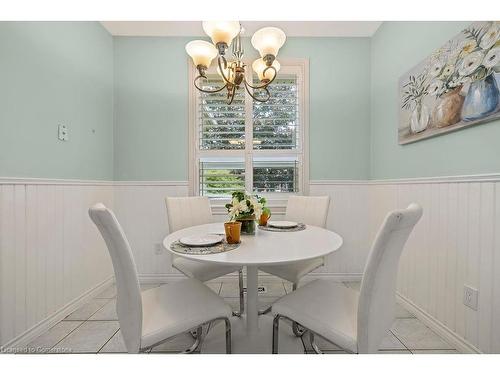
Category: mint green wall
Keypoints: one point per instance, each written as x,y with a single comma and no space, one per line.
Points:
151,106
397,47
56,73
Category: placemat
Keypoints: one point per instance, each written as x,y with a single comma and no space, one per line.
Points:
298,228
202,250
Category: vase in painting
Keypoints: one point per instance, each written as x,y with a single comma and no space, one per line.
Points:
448,108
482,99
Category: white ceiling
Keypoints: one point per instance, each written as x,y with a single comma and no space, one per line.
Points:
291,28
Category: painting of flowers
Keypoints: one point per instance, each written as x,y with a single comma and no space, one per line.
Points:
457,86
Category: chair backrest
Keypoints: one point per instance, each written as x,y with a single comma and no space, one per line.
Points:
378,288
183,212
308,210
128,299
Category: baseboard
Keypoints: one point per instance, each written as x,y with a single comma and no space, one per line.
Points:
170,277
43,326
451,337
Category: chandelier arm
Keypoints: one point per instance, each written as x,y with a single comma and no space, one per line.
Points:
231,94
259,88
204,90
264,85
222,69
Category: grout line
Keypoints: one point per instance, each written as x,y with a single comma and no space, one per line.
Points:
69,333
397,338
113,335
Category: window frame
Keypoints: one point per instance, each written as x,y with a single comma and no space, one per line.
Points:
297,66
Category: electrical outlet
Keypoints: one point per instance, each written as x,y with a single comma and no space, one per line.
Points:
158,248
470,297
62,133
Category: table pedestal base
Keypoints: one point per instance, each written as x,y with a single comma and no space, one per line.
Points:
259,342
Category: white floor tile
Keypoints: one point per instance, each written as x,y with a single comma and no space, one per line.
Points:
89,337
415,335
115,344
176,344
403,351
107,312
264,302
214,286
148,286
353,284
108,293
401,312
390,342
46,341
443,351
87,310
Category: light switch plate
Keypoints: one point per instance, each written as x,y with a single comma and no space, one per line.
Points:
63,133
470,297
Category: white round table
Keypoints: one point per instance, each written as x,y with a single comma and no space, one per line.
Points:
263,249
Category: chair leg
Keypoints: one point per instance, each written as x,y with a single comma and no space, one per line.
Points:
276,326
296,328
242,298
263,312
196,344
228,336
315,347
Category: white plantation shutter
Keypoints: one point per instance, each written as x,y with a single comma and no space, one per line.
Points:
249,145
221,126
276,122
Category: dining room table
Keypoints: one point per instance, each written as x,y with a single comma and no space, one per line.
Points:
251,332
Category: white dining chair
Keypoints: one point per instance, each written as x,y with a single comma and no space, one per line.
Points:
183,212
355,321
151,317
307,210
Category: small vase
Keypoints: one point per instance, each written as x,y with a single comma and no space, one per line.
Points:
481,99
448,109
419,118
247,225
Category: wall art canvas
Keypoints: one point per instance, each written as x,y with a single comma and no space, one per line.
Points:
457,86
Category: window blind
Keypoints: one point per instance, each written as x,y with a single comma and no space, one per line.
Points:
221,126
221,176
276,122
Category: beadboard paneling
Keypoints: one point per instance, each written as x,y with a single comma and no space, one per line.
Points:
456,243
50,252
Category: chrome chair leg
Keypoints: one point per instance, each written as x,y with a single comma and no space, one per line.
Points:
315,347
296,328
196,344
276,326
242,297
228,336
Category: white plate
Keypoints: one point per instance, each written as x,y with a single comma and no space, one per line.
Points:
203,240
282,224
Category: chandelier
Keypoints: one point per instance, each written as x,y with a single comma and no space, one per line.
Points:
267,41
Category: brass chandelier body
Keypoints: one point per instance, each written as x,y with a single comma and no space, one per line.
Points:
267,41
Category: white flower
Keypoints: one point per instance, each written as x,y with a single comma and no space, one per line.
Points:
467,46
242,206
436,87
470,63
436,69
448,70
490,37
492,58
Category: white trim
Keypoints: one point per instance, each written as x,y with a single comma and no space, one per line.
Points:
51,181
487,177
151,183
447,334
43,326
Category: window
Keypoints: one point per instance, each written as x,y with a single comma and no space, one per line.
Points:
249,145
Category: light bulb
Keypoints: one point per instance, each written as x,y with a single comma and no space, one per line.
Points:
259,66
201,52
221,31
268,41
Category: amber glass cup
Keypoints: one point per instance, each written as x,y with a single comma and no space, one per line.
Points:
264,219
233,231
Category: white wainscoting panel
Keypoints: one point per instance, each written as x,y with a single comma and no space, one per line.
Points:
50,252
456,243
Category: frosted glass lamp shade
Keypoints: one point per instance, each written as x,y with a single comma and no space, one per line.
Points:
268,40
201,52
221,31
259,66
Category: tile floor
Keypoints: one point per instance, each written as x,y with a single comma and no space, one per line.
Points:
94,327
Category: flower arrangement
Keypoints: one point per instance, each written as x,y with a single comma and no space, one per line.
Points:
244,206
